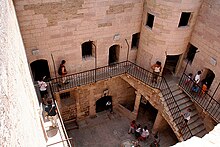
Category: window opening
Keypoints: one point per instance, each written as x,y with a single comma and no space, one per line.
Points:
150,20
87,49
64,95
135,41
184,19
191,53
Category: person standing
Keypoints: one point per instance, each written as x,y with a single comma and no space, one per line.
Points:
145,134
132,127
186,116
156,71
138,131
109,106
196,82
43,89
62,71
52,111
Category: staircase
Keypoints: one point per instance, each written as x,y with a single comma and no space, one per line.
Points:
195,123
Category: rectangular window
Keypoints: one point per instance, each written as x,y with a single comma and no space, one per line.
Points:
184,19
191,53
150,20
64,95
135,41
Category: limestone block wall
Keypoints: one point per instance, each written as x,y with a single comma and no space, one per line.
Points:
206,38
19,118
86,97
165,37
59,27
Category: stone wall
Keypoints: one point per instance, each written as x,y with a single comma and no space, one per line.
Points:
165,37
206,38
59,27
19,117
86,97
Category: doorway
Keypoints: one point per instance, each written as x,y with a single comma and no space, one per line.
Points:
170,64
146,113
209,77
113,54
40,69
101,103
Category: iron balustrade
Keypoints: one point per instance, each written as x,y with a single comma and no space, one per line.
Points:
202,98
126,67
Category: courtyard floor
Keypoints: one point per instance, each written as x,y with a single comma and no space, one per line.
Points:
111,130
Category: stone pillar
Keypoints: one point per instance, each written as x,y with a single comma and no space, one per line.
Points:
92,104
159,123
137,103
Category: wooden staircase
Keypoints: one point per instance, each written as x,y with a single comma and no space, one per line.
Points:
195,124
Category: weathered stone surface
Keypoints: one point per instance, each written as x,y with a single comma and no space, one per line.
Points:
20,123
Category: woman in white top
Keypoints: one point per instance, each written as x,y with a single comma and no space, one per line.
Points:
156,71
144,134
197,80
43,89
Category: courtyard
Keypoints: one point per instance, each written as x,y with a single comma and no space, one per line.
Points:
111,130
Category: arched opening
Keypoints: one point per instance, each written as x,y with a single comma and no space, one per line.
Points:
101,103
40,69
113,54
88,49
208,77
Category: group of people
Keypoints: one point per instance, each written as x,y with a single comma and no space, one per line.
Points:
196,80
141,134
50,109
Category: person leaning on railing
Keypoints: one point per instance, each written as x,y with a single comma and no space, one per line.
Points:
156,71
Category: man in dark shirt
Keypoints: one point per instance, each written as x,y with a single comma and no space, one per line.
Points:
52,111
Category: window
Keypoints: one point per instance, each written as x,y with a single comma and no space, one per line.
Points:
135,41
64,95
191,53
87,49
184,19
150,20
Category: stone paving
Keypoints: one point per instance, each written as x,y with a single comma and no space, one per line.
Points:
111,130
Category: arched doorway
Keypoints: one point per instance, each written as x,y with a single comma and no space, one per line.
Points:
208,77
101,103
113,54
40,69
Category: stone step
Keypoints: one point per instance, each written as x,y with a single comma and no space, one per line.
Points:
196,129
183,101
71,124
201,133
177,92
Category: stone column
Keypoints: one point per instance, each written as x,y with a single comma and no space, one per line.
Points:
92,104
159,122
137,103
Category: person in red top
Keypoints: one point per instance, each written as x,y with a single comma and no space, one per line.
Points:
62,71
132,127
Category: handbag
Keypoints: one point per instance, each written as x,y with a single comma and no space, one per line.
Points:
47,113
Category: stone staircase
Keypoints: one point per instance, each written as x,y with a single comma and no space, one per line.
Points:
183,101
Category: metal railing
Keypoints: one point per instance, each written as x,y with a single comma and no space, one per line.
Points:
137,72
65,140
201,97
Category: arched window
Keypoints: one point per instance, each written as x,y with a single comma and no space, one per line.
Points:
88,49
113,54
40,69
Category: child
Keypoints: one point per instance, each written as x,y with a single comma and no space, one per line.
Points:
204,88
189,78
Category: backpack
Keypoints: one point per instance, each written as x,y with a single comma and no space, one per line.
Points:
60,70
